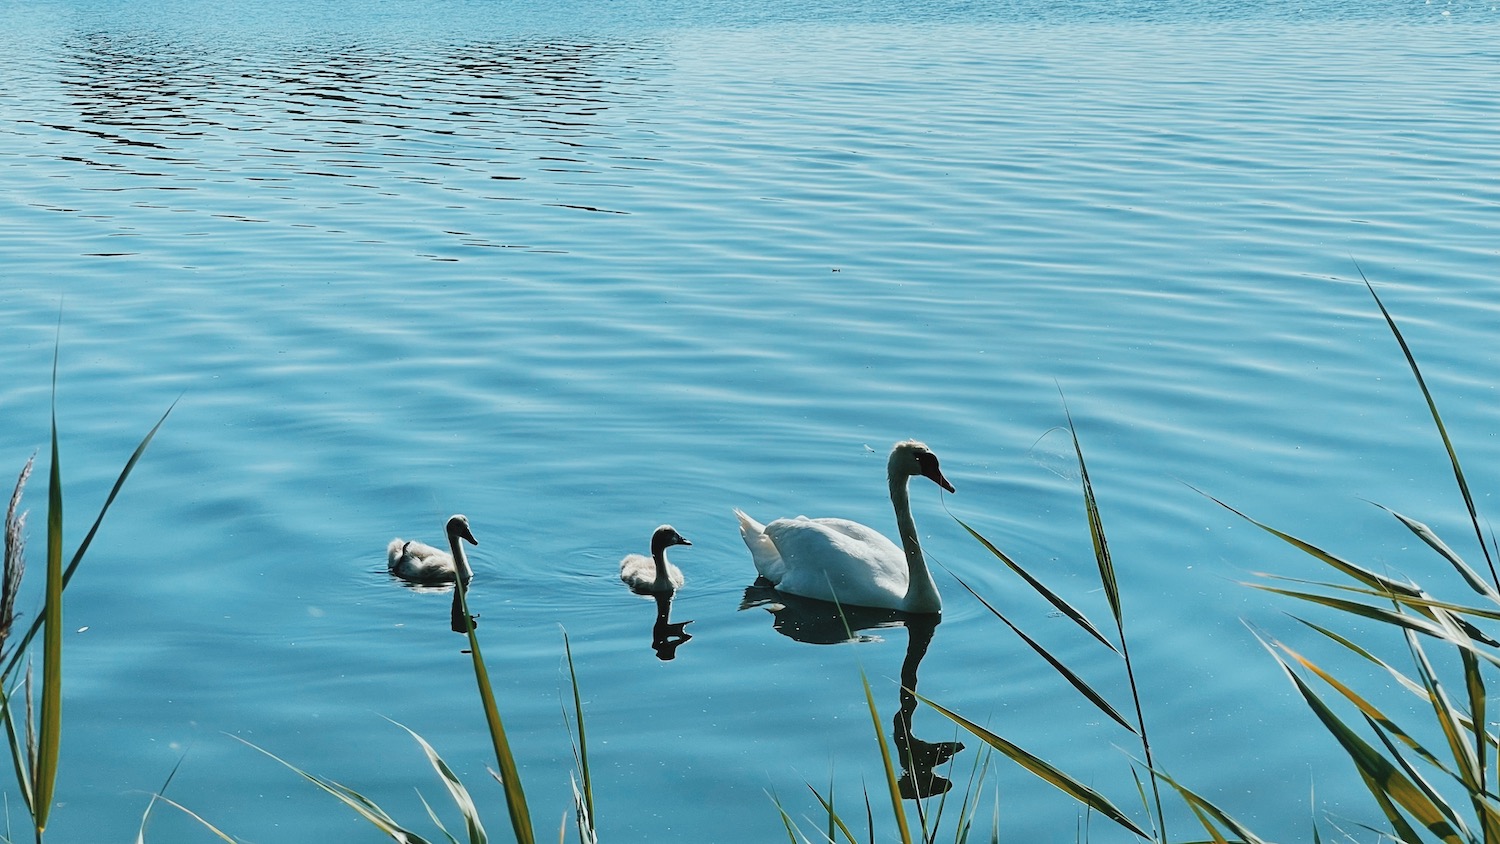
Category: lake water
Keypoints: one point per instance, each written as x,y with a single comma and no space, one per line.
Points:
580,269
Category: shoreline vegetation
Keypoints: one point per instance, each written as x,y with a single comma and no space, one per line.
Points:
1443,788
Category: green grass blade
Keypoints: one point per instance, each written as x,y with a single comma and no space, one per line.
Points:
436,821
1390,617
1036,585
786,819
1406,682
1437,419
892,781
1046,771
88,539
1478,708
1465,758
1424,604
1427,535
218,833
49,729
509,775
1369,710
456,789
361,805
1057,665
1222,818
835,823
1380,775
1102,556
161,796
18,752
1369,578
583,744
1110,582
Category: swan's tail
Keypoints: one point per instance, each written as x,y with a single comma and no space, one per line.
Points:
762,550
394,552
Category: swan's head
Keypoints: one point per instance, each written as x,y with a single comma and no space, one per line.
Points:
911,458
665,537
459,526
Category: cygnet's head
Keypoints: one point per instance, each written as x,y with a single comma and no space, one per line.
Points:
665,537
458,525
911,458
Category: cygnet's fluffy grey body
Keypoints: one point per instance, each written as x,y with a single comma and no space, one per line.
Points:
653,574
418,562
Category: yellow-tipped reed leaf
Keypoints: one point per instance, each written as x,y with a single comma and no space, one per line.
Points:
1045,770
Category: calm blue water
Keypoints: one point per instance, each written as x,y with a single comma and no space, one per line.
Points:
577,270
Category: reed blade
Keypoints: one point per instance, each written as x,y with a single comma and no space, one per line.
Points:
1045,770
360,804
77,558
835,823
1057,665
1437,419
583,744
1037,586
49,728
891,780
1369,710
456,789
1464,570
1384,779
509,775
1363,575
1202,806
1390,617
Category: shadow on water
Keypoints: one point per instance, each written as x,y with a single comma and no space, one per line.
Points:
822,623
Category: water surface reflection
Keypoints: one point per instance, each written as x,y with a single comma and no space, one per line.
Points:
822,623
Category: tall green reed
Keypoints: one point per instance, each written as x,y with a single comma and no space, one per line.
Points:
1446,786
35,749
1134,725
464,802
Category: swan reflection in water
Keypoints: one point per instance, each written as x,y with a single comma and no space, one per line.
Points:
823,623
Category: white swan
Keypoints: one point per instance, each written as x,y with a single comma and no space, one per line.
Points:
836,559
654,574
417,562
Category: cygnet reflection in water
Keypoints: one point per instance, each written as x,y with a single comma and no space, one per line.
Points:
667,635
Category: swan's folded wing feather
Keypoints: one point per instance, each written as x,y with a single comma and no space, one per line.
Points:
837,558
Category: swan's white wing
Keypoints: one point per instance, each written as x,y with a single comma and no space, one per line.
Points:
836,559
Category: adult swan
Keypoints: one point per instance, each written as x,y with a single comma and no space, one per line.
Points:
836,559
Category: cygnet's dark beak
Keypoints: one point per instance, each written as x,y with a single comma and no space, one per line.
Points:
467,535
682,540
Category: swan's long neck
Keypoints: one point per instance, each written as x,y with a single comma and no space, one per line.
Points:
659,556
460,560
921,591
